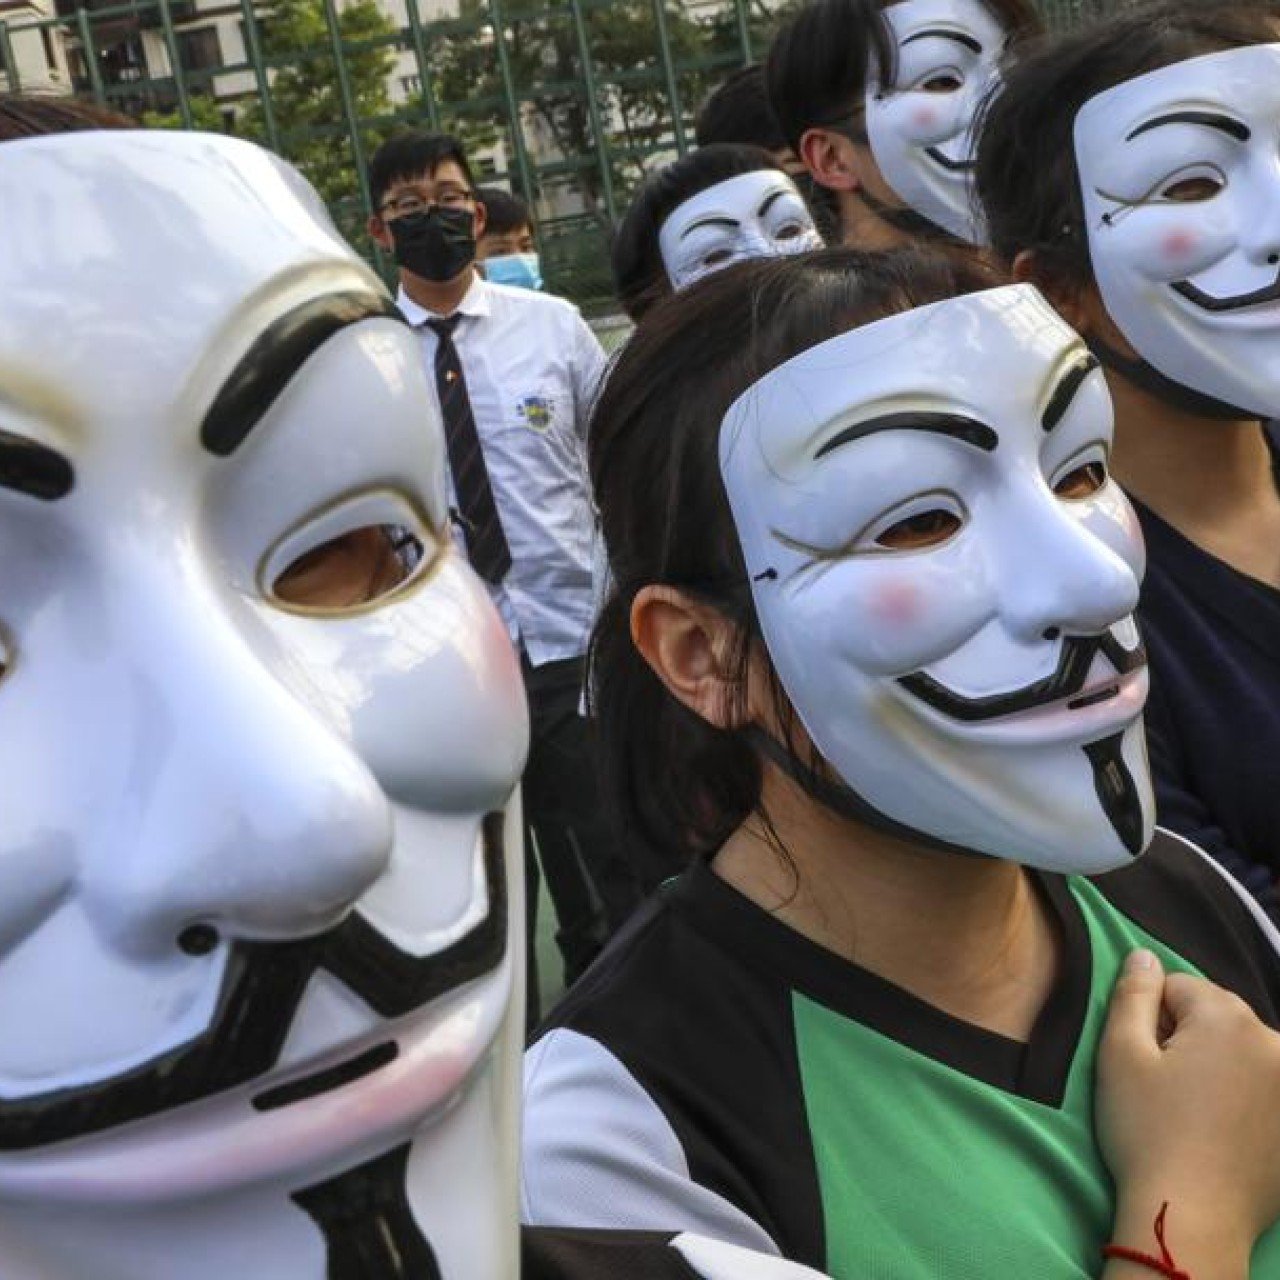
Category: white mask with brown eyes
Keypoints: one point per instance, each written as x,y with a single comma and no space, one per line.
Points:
755,215
921,127
945,578
261,730
1181,192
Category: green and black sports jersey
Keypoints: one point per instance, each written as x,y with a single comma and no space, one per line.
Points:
716,1072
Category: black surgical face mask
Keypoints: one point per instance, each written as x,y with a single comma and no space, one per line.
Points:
437,244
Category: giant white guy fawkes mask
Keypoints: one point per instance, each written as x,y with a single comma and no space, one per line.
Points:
754,215
921,127
259,1002
1180,173
945,578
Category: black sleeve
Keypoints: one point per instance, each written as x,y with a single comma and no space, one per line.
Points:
552,1253
1182,810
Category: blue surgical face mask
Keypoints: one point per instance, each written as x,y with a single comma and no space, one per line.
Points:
521,270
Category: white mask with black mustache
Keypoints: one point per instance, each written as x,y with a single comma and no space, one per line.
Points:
259,725
921,127
753,215
945,579
1180,174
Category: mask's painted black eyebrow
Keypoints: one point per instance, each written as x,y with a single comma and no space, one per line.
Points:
956,425
1065,392
1236,129
715,221
941,33
33,468
276,355
770,200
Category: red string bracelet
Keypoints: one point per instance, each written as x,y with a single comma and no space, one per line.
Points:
1163,1265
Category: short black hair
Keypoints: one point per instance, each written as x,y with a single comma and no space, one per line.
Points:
410,155
639,278
504,212
818,64
33,115
738,111
1026,179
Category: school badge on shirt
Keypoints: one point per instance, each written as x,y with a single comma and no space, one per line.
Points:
537,412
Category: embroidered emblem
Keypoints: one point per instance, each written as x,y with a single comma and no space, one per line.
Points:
536,412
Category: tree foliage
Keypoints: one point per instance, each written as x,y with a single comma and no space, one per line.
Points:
546,66
306,93
206,116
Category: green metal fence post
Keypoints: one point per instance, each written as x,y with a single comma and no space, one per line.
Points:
424,69
744,30
175,63
90,57
593,111
669,74
523,167
8,62
348,101
253,48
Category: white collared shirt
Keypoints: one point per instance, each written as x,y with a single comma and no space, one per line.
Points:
532,366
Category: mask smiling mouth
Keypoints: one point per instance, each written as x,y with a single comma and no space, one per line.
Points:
264,988
940,157
1233,302
1068,684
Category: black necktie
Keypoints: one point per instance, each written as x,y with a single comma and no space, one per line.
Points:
486,541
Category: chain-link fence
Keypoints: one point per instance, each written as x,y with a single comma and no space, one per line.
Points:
566,101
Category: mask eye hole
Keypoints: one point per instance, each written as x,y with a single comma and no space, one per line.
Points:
942,82
924,529
352,569
1081,482
717,257
1192,190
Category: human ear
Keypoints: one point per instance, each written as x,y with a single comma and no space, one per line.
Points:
378,232
688,644
481,219
831,158
1069,301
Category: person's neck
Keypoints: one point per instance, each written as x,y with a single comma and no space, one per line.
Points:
861,228
1211,480
968,935
440,297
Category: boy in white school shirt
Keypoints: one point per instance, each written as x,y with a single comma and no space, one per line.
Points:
515,371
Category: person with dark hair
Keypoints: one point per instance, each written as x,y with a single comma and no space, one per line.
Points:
738,110
1127,169
870,668
515,373
275,799
31,115
717,205
508,248
877,98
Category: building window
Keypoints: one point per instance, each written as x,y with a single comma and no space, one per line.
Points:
199,50
411,86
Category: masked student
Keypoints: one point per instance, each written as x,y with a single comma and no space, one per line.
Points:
508,249
871,669
290,908
1128,170
717,205
878,100
514,372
